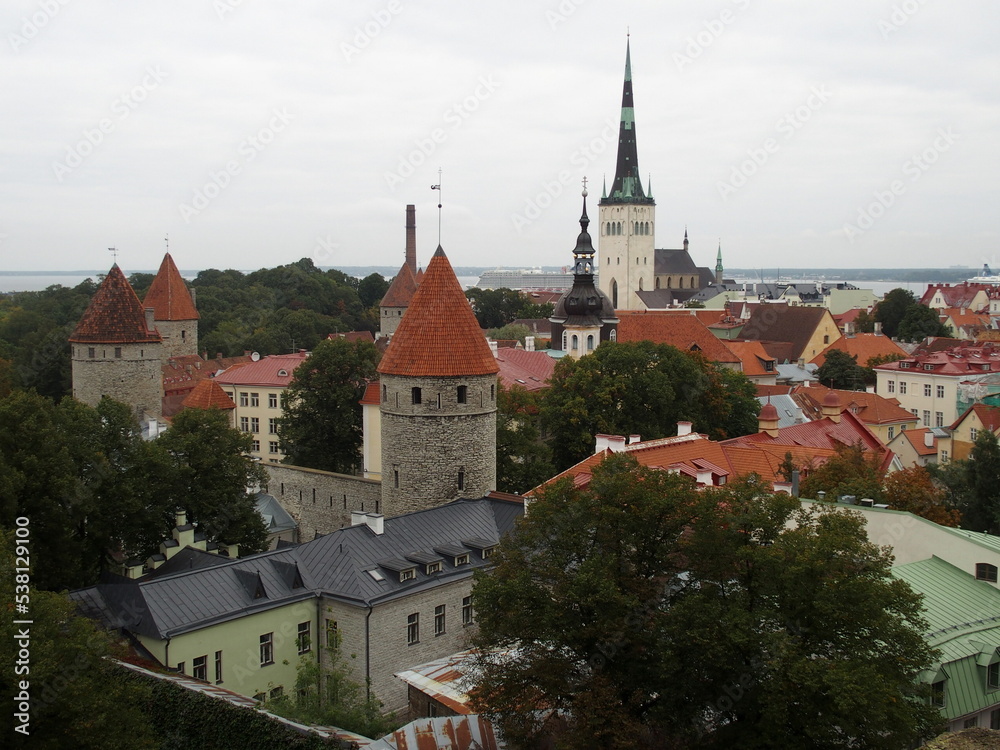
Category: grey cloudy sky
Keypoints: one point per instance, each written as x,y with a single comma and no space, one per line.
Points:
258,133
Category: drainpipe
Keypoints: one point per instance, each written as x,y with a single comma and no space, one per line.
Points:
368,655
166,653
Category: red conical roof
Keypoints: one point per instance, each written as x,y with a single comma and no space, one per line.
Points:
208,395
438,335
114,315
401,290
168,295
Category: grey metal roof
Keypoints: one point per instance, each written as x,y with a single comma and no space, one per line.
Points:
276,518
335,565
789,412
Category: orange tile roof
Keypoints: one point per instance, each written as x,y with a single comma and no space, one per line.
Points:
208,395
438,335
529,370
401,290
862,345
870,408
679,329
916,440
371,395
753,356
988,415
168,295
114,315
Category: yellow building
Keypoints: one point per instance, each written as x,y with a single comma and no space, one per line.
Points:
258,391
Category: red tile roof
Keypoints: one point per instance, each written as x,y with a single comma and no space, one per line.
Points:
266,372
955,295
529,370
438,335
864,346
916,440
208,395
401,290
181,374
754,358
168,295
677,328
988,415
371,395
114,315
870,408
963,360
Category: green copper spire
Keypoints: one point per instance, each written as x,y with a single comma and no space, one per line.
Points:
627,186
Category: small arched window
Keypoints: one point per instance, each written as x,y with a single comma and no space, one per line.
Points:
614,334
590,342
576,342
986,572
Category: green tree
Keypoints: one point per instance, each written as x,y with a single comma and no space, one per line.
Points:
509,332
524,460
980,500
841,370
372,289
321,424
852,471
891,309
495,308
329,696
204,467
645,389
651,615
77,697
919,322
913,489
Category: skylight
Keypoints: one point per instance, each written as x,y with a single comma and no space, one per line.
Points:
376,575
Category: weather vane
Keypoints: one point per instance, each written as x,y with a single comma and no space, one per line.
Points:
167,240
438,188
584,187
114,254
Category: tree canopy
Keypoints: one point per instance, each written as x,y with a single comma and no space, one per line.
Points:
524,460
971,484
903,317
645,389
841,370
653,615
321,423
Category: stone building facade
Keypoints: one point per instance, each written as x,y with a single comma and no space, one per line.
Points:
174,313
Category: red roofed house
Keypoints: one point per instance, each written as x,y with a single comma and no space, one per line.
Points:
208,394
968,294
116,350
790,332
174,312
677,328
917,447
258,390
400,292
864,346
883,416
759,366
928,383
438,399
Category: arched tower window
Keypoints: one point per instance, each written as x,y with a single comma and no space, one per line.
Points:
656,283
682,282
640,285
565,341
614,294
415,395
576,342
590,342
614,334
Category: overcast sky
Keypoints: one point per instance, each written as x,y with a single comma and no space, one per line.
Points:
860,133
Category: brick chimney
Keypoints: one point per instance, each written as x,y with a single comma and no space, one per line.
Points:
411,237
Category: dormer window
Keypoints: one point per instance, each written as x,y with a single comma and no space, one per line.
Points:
462,560
434,567
282,373
986,572
407,575
488,553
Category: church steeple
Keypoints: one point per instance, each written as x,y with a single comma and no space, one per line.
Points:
583,253
627,187
718,265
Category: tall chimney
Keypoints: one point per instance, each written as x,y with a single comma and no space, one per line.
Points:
411,237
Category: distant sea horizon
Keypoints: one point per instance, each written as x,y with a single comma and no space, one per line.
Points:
879,280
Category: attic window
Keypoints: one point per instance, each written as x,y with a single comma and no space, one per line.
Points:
407,575
464,560
434,567
986,572
282,373
928,367
488,553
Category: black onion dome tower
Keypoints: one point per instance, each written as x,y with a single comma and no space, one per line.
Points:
583,316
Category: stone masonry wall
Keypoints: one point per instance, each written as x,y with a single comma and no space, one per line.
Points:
174,343
134,378
321,501
425,446
387,636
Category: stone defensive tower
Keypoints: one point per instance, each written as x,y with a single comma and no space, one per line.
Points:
438,400
400,293
627,216
174,312
116,351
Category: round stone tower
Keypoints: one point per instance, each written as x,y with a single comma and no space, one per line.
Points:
438,396
116,351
